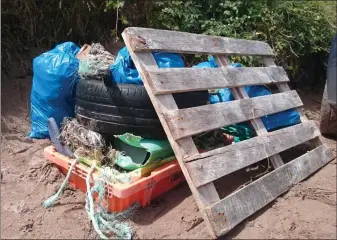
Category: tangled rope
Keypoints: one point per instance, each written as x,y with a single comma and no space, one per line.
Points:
51,200
86,143
104,223
75,135
96,63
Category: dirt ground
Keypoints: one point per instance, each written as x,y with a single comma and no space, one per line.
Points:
308,210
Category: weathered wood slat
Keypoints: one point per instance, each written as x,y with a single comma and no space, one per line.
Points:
190,121
240,93
233,209
205,195
236,156
147,39
174,80
283,87
221,216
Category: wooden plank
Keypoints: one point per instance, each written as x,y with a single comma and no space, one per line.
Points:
174,80
147,39
185,146
230,211
260,129
205,195
222,161
240,93
190,121
144,41
276,160
283,87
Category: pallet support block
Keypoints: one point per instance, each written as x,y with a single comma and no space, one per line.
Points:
202,169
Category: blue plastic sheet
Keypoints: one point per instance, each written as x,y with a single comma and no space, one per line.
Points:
124,71
271,122
55,75
224,94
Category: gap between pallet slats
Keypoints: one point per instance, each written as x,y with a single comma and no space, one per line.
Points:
174,80
190,121
240,93
237,156
283,87
147,39
230,211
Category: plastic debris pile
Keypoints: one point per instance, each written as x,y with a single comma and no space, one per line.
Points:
129,157
106,224
90,148
85,143
75,135
96,63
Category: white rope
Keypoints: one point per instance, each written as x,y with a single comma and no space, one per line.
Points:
51,200
101,220
90,204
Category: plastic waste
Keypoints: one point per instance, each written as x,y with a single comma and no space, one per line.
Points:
54,133
271,122
240,131
139,152
54,87
123,69
95,63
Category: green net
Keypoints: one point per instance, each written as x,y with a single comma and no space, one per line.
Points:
106,224
96,63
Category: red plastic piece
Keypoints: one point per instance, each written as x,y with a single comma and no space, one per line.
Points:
122,196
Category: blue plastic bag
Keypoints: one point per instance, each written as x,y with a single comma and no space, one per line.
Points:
124,71
271,122
276,120
55,75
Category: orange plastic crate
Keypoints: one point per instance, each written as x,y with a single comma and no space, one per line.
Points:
122,196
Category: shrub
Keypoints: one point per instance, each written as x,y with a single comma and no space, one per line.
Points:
298,31
30,24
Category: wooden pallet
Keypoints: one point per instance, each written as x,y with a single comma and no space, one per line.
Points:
201,169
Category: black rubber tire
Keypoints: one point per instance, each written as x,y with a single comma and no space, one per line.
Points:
328,118
191,99
112,128
119,95
131,96
123,119
116,109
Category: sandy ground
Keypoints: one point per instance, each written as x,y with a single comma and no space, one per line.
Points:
308,210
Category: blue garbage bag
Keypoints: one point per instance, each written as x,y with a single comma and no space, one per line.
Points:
224,94
55,75
124,71
276,120
271,122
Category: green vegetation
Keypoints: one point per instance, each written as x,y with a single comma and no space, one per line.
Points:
37,25
299,32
